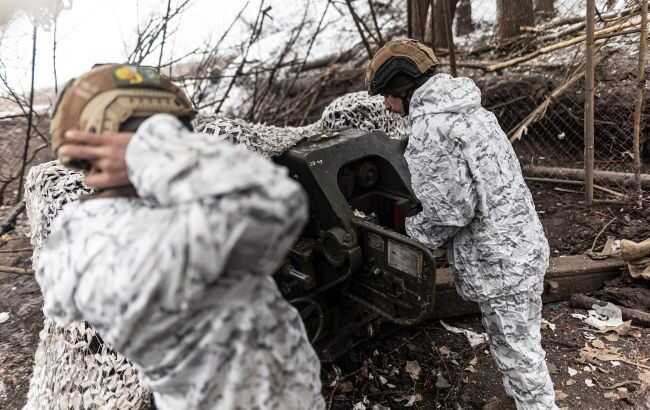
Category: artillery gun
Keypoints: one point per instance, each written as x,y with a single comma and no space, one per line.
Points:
353,264
354,267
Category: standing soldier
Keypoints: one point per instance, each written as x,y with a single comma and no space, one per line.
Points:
467,176
171,259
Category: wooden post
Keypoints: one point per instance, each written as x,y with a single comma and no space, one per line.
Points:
589,103
450,37
638,110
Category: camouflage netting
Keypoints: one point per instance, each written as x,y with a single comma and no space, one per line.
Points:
73,367
354,110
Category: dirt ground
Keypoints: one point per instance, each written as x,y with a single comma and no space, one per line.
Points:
20,297
375,375
453,375
422,367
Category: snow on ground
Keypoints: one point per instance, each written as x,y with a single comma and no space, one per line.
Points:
337,33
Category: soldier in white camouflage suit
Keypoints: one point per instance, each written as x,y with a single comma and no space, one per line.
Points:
171,262
465,172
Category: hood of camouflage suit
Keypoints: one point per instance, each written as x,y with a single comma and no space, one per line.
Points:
443,93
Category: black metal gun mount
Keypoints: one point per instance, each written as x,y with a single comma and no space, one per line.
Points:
353,257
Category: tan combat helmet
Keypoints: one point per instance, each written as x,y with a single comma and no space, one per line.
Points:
403,59
114,97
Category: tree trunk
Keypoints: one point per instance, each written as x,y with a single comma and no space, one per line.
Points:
419,11
464,18
512,15
439,24
544,9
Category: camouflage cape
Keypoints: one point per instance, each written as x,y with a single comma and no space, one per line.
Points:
178,279
466,173
73,367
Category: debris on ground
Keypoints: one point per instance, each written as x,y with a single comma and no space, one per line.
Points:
603,317
474,339
548,325
413,369
606,316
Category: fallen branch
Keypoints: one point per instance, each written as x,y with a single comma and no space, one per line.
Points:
12,116
16,250
573,182
579,19
603,229
581,25
617,385
10,221
539,112
557,46
637,317
556,36
576,173
569,191
328,60
631,297
11,269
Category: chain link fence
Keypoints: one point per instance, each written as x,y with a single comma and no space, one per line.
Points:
534,82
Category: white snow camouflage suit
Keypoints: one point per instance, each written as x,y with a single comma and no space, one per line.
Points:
467,176
179,279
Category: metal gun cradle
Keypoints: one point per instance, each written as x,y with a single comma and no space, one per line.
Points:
353,260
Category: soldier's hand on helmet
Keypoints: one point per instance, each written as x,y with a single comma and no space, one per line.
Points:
106,152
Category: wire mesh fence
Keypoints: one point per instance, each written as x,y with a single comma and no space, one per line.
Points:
533,79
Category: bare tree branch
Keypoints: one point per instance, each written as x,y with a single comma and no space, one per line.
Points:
374,20
257,28
54,44
164,34
206,65
151,36
29,118
289,45
357,23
